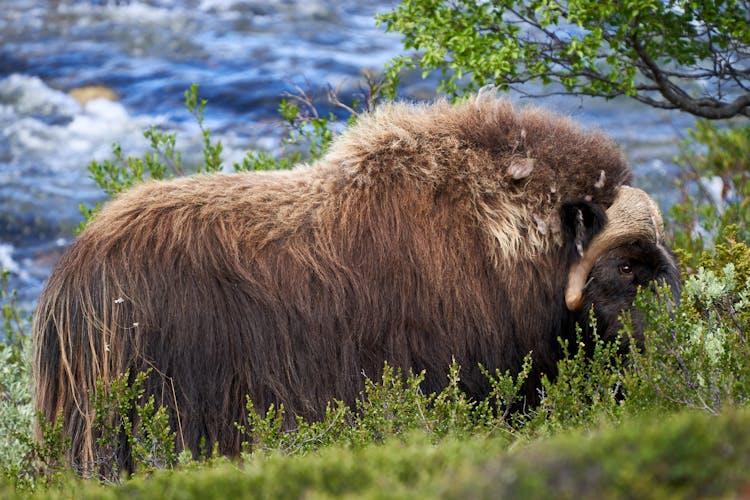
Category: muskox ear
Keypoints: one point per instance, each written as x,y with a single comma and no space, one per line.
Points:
581,220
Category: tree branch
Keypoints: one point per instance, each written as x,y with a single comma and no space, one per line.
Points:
706,108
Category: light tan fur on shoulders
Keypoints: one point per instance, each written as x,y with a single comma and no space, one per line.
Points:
514,167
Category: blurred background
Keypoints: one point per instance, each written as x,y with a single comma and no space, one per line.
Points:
244,55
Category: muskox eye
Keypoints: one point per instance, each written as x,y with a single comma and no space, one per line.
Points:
626,269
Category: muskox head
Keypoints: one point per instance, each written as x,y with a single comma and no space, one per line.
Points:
618,252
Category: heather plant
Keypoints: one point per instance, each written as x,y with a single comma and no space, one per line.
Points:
395,406
587,387
122,409
391,407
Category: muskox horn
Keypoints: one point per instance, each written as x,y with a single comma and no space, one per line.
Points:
633,216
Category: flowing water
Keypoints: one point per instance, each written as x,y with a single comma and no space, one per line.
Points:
243,54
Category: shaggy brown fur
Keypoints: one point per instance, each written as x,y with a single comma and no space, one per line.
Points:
428,232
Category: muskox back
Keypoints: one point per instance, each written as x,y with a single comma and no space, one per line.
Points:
426,234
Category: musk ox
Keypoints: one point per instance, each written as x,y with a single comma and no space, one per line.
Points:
472,231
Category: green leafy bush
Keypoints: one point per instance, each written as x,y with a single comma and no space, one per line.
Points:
16,410
696,355
715,188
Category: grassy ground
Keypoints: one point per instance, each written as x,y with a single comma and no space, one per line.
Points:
687,455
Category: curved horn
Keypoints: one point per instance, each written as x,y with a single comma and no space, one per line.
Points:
632,216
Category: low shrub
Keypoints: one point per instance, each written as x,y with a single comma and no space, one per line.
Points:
684,455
